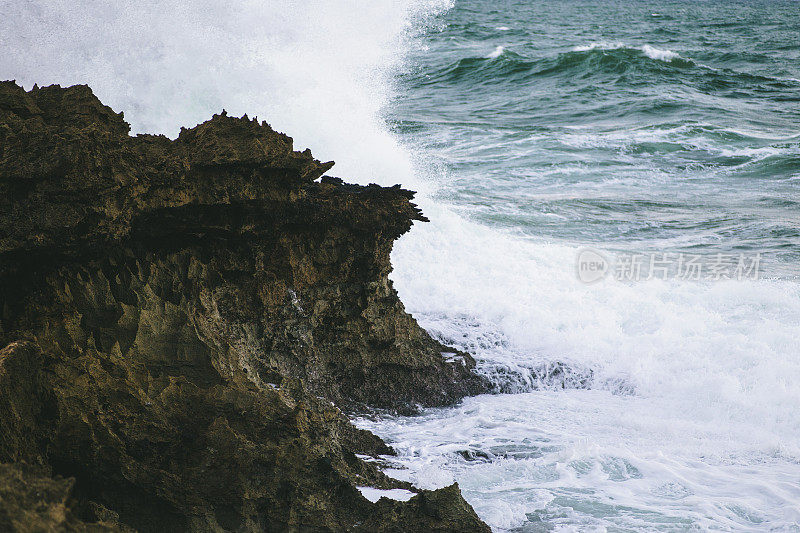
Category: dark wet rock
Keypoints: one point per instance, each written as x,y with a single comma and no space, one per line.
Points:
32,500
476,456
183,323
549,375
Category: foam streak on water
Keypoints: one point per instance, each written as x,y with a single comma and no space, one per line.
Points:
532,129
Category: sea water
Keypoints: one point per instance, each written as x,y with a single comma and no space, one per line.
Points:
534,131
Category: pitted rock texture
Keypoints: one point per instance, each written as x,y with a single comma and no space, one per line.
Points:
184,323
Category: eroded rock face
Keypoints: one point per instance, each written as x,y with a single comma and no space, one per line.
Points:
183,320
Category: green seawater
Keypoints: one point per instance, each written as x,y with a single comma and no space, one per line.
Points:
637,126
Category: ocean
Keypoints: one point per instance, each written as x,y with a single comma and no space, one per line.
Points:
574,158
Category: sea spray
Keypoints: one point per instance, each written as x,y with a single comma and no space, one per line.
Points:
319,70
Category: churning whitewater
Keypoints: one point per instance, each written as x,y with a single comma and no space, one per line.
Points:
532,131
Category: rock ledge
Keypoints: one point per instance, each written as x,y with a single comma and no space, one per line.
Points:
183,324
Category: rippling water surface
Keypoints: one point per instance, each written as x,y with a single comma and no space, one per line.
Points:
669,126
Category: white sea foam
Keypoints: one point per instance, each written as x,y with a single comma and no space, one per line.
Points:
599,45
708,366
591,461
706,427
648,50
657,53
373,494
497,52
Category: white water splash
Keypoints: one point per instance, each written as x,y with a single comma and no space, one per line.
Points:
312,69
497,52
657,53
373,494
648,50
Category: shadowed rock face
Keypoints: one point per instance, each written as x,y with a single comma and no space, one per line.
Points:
182,322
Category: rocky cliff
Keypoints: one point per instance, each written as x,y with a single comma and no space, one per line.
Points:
184,323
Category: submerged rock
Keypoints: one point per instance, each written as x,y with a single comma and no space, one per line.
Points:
184,323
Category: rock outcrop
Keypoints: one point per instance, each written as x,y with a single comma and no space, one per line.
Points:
184,323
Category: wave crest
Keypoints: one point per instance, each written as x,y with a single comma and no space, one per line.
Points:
650,51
